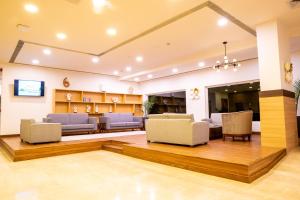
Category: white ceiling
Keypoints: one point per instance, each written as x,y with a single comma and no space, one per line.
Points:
193,38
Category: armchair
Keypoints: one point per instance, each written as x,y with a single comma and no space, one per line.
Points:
237,124
33,132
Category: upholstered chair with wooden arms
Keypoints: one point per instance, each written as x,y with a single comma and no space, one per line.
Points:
237,124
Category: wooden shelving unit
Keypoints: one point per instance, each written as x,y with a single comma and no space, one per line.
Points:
102,100
168,104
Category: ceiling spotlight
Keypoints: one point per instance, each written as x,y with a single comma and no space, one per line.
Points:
136,79
150,76
116,72
174,70
222,22
100,4
226,90
128,69
95,59
111,31
250,87
201,64
139,59
235,91
61,36
31,8
35,61
47,51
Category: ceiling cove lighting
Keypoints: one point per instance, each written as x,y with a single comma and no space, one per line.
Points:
35,61
95,59
139,59
47,52
31,8
111,32
226,63
174,70
116,72
128,69
222,22
61,36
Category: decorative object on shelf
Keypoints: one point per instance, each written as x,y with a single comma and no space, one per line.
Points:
115,99
66,82
96,109
69,96
130,90
288,69
195,93
226,63
165,101
88,108
75,109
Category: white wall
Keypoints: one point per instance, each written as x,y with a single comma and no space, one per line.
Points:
201,79
16,108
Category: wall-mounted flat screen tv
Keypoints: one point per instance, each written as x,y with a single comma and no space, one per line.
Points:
29,88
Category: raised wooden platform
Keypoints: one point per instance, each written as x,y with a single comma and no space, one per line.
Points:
241,161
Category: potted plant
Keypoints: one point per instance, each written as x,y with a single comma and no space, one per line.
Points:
148,104
297,95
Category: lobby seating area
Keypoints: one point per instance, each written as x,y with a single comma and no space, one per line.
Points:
137,99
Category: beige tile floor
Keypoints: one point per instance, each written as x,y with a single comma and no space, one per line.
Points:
109,176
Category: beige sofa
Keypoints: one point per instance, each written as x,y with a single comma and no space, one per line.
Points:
237,124
176,129
33,132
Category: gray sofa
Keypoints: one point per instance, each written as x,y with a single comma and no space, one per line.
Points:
73,122
111,121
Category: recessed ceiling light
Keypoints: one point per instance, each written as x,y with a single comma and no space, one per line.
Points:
35,61
150,76
174,70
116,72
223,21
61,36
95,59
31,8
128,69
47,51
201,64
100,4
136,79
111,31
139,59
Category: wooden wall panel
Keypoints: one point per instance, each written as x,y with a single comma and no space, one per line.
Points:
278,122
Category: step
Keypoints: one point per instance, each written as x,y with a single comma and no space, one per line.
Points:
113,148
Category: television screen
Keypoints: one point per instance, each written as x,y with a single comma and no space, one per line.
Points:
29,88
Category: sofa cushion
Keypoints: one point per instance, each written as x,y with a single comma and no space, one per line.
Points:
119,117
118,124
58,118
77,126
133,124
114,117
78,118
126,117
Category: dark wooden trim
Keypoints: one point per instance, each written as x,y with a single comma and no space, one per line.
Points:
16,52
276,93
